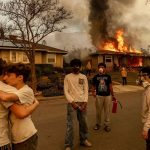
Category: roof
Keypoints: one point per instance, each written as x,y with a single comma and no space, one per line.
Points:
6,45
108,52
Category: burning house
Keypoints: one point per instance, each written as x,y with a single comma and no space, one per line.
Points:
115,52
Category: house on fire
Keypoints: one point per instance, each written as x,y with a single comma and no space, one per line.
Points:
43,54
115,58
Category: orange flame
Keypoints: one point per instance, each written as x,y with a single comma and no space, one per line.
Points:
119,45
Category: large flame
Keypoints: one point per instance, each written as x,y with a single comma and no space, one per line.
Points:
118,44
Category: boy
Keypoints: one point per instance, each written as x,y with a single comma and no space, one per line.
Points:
76,92
24,133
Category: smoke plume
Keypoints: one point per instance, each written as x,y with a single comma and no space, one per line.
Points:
106,16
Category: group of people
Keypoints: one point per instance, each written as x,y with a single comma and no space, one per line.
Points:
17,102
76,92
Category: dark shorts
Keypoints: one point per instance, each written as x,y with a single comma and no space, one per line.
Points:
6,147
29,144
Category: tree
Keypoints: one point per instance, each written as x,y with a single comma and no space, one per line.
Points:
31,21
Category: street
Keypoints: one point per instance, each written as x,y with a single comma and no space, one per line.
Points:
50,120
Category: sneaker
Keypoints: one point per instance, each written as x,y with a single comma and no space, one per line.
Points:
67,148
86,143
107,129
97,126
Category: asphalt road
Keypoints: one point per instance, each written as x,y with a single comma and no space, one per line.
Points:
50,120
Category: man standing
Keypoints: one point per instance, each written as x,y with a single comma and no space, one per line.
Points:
103,91
76,92
146,106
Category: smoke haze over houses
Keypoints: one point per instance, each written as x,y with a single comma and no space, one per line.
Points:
100,19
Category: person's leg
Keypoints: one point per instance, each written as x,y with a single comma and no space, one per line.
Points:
29,144
69,131
83,128
107,103
122,80
99,107
125,80
148,141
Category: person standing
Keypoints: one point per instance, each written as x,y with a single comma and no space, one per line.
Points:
103,91
124,76
88,68
76,92
146,107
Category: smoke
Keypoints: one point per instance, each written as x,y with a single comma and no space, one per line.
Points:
106,16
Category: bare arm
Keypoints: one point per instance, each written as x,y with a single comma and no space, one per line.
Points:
8,96
22,111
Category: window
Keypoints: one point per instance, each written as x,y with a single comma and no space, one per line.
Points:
51,58
25,58
108,59
13,56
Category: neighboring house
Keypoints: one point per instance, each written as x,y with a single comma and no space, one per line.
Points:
112,59
43,54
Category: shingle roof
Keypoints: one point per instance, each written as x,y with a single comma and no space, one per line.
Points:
4,44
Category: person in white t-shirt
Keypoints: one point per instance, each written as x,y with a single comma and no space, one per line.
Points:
76,92
21,111
24,133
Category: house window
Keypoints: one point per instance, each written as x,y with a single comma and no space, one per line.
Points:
51,58
13,56
25,58
108,59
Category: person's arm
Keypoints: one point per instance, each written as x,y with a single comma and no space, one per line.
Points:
146,126
93,87
4,96
22,111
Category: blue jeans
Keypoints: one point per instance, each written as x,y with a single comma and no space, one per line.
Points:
83,129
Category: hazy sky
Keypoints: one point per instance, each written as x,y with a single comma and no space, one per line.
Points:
135,16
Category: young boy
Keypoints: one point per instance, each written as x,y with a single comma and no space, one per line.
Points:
21,111
76,92
24,133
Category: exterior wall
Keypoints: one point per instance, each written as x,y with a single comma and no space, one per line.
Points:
38,58
94,61
146,61
59,61
5,55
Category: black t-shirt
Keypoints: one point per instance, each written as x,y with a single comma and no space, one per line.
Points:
102,82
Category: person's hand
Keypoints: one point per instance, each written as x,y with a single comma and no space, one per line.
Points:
145,134
74,105
83,106
113,98
94,93
36,102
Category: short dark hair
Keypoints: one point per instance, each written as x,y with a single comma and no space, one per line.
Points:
146,70
19,69
102,64
75,62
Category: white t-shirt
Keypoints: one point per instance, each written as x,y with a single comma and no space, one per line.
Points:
4,128
76,87
23,129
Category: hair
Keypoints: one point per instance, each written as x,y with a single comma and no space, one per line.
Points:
102,64
75,62
19,69
2,66
146,70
